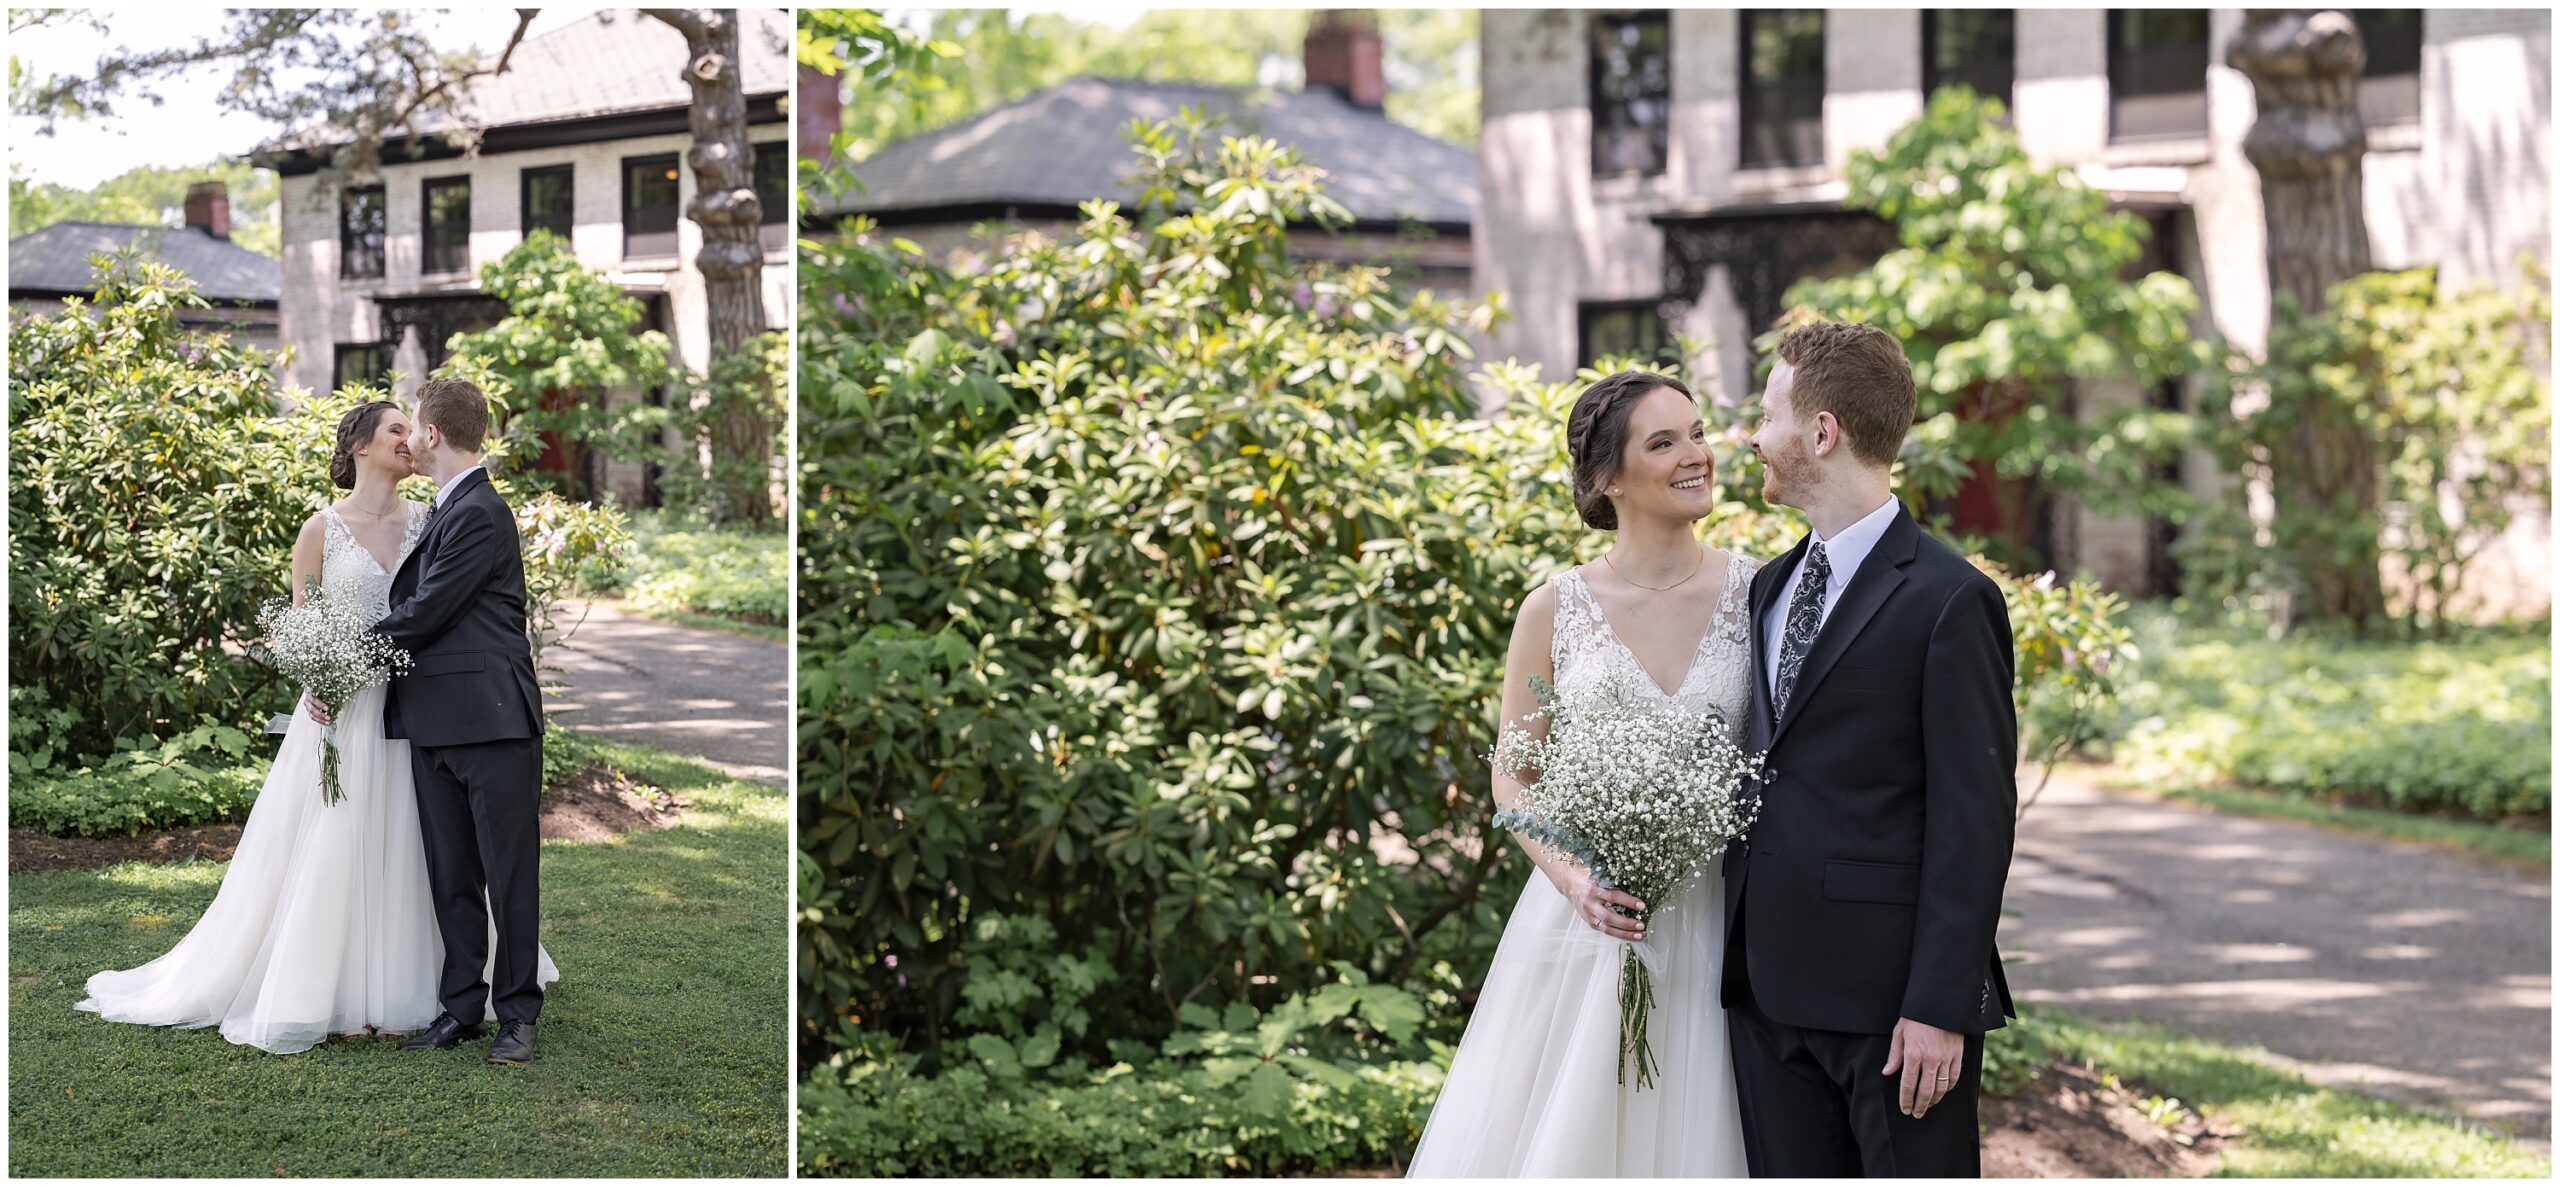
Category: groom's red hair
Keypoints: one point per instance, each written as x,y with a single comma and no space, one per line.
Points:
457,410
1859,375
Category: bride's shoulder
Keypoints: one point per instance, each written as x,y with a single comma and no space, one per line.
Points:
1538,609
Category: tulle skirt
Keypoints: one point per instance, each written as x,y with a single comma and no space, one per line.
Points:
323,924
1534,1092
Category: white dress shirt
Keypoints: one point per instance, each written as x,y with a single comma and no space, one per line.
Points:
446,488
1847,551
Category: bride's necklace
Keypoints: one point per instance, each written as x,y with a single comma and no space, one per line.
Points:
382,514
1693,571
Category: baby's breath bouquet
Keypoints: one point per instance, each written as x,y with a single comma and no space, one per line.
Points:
332,652
1644,793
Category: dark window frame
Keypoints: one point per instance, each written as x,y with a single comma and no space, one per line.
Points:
432,255
2156,112
1932,77
524,199
2388,92
1788,129
1617,118
675,206
349,237
773,224
1586,314
376,375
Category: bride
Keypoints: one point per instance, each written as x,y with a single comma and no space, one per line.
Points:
1534,1089
322,925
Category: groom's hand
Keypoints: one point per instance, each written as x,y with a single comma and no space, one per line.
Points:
1928,1059
312,706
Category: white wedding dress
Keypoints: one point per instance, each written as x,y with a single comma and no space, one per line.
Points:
323,924
1533,1091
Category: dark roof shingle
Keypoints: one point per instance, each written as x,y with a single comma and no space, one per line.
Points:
1067,144
55,259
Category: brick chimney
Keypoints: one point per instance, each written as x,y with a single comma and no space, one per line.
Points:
821,113
209,207
1343,52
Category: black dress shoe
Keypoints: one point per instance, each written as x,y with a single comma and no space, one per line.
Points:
448,1031
514,1044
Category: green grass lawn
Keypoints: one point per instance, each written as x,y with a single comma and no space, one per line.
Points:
663,1051
686,573
2459,727
2288,1127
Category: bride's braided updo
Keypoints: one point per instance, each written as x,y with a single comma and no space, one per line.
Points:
354,429
1596,437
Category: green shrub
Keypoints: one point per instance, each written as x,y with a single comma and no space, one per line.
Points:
207,775
2451,393
720,572
1306,1088
2461,726
154,494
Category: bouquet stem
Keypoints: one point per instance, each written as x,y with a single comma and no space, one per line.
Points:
330,790
1635,1007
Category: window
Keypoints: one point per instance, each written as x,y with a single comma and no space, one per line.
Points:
550,197
1630,94
358,362
362,222
1620,329
1782,79
773,193
1974,47
2155,72
649,206
2393,38
447,245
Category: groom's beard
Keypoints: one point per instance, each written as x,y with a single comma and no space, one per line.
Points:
1791,474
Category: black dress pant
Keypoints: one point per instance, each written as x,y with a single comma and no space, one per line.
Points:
480,808
1816,1103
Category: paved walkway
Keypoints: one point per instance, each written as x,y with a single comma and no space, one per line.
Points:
2410,973
723,698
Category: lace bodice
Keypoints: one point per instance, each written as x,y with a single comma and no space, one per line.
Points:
1592,664
354,576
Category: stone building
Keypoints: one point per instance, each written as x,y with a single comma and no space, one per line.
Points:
585,135
51,263
1644,176
1030,163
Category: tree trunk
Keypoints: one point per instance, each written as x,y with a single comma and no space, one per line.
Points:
2308,147
731,259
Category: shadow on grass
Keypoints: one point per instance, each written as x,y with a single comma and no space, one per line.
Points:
2288,1127
664,1048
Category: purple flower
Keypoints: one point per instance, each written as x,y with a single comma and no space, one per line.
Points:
893,962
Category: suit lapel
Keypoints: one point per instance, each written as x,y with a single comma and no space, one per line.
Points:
435,516
1878,576
1765,585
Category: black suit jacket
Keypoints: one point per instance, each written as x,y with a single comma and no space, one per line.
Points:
1869,890
458,608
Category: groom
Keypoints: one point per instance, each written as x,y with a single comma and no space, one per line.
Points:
1859,971
473,717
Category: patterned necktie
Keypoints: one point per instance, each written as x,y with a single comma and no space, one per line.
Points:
1804,621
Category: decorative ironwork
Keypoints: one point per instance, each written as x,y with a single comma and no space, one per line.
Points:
437,318
1763,252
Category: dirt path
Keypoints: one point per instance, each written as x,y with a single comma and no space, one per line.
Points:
723,698
2410,973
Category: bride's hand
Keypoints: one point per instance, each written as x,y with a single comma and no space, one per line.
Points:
1592,903
318,711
